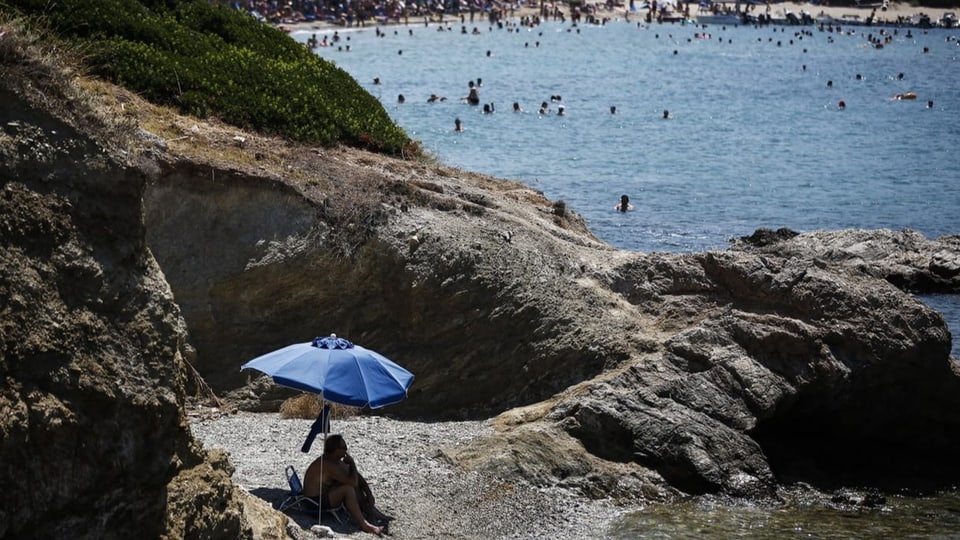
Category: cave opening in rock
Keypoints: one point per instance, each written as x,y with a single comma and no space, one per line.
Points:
828,454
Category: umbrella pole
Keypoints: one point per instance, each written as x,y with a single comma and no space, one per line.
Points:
322,460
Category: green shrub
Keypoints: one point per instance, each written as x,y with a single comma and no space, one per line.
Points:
210,60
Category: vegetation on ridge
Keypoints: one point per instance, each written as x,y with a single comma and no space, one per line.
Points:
208,60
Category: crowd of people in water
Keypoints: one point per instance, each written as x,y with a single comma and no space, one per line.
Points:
350,13
553,106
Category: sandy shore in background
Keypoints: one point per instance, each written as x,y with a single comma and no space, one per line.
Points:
894,10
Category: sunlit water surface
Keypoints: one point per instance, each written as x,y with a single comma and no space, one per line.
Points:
898,518
755,139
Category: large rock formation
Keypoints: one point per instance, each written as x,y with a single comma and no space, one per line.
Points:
95,442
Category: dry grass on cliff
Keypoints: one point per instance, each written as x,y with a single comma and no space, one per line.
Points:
307,406
51,76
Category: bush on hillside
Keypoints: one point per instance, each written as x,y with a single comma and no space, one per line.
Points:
209,60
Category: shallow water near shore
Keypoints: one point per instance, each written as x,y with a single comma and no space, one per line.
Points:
899,517
755,136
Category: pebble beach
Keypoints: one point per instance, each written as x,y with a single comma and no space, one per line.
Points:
406,466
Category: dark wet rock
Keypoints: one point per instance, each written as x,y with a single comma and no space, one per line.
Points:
846,498
765,237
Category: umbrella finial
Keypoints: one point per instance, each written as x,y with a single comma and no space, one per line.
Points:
332,342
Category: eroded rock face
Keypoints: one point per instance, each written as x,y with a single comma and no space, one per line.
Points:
786,371
722,372
442,283
905,258
95,443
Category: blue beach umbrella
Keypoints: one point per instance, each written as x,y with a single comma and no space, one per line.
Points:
338,371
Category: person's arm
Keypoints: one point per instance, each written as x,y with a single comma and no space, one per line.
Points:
345,472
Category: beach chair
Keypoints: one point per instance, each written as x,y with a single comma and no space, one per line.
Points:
296,500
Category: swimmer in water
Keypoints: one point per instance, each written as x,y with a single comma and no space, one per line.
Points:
624,204
473,98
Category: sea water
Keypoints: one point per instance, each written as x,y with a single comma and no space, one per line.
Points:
755,138
803,517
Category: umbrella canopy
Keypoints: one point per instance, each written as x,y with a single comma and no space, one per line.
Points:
338,370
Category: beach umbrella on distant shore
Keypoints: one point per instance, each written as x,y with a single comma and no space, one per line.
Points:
337,370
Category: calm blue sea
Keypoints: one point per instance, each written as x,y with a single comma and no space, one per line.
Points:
755,136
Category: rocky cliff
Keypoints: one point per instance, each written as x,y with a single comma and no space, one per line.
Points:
95,442
624,374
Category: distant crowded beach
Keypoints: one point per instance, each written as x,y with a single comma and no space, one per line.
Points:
323,14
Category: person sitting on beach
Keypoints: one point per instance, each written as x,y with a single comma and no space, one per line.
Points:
624,204
332,479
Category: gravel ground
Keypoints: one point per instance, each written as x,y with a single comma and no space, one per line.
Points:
405,465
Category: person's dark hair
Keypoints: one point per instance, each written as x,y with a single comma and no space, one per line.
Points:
333,443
